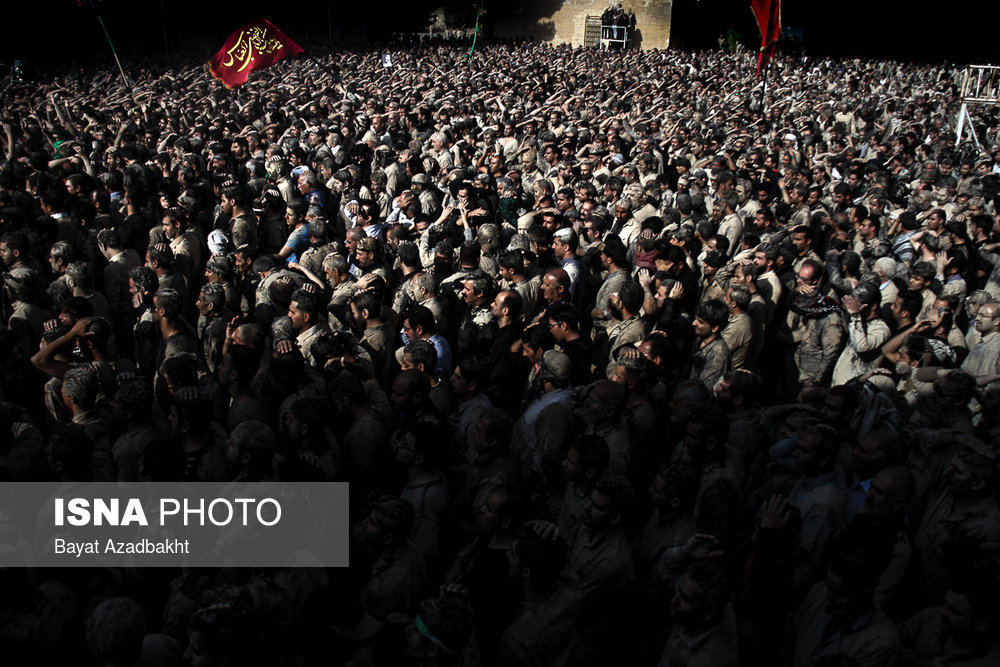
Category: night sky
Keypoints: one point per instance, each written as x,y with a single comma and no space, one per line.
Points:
67,31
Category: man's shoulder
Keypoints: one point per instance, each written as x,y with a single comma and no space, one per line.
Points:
834,318
878,326
614,279
741,322
347,285
481,316
716,347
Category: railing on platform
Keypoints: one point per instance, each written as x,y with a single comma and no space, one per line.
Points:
445,33
980,85
615,36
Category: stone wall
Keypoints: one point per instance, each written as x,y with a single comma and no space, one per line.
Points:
566,24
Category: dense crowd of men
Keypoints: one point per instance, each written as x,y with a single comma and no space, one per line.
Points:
626,360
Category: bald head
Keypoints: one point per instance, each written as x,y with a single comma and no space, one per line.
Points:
508,303
555,284
604,403
890,491
560,275
409,390
611,394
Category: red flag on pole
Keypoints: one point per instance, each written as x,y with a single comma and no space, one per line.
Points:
768,14
254,46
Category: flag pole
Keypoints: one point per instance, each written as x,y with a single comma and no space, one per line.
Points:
475,32
768,16
113,52
763,99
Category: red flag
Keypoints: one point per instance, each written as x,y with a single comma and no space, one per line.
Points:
768,13
254,46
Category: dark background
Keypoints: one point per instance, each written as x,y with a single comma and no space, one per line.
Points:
43,32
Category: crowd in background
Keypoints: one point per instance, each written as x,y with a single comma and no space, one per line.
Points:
627,358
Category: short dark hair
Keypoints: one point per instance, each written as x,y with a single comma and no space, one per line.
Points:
244,361
618,491
369,209
469,253
593,453
714,312
145,278
856,565
307,304
803,229
408,253
744,383
923,269
312,412
100,332
713,583
476,367
420,316
367,300
676,255
176,216
829,442
498,424
615,250
481,283
546,558
713,419
632,296
77,307
16,241
181,370
539,337
912,302
422,352
170,301
348,385
908,220
427,442
564,313
540,235
161,254
109,238
512,259
683,482
395,515
195,410
299,206
239,194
